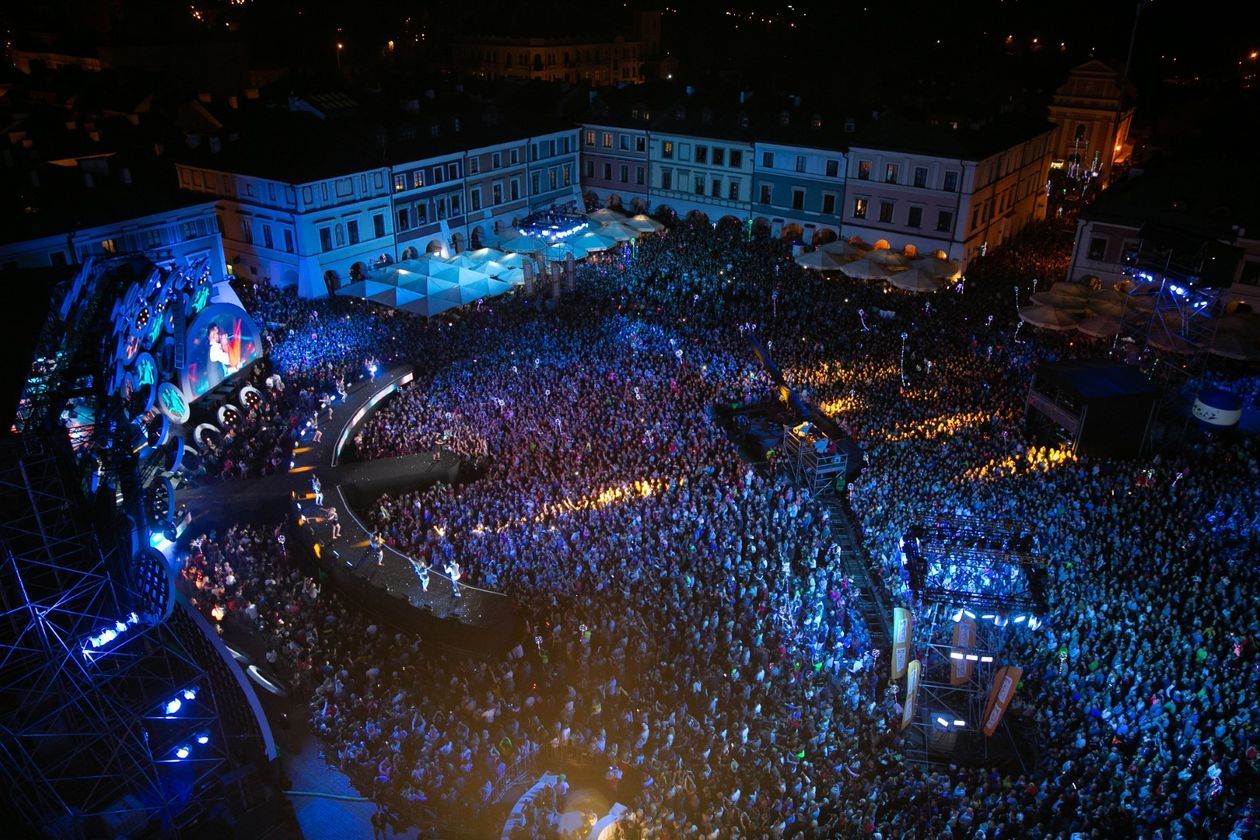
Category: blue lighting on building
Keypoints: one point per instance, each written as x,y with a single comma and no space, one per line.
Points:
108,634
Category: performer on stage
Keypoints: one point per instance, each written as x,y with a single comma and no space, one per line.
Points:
376,546
220,362
331,519
453,570
319,491
421,568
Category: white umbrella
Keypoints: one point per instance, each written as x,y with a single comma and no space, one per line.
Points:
523,244
619,231
844,250
1049,317
937,267
502,272
892,259
1058,300
363,288
1079,290
644,223
436,303
562,250
821,260
396,296
604,214
915,280
865,269
594,240
426,285
1100,326
483,255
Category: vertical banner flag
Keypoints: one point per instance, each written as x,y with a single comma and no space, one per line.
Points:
1004,683
902,624
912,693
964,641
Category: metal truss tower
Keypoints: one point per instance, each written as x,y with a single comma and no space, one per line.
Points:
110,719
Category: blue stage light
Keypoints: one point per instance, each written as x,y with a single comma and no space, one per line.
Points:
203,739
190,693
182,752
173,706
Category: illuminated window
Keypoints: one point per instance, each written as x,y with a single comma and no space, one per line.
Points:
859,208
890,173
667,150
864,170
400,183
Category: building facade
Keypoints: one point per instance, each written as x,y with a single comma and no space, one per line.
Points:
1092,120
185,234
430,205
553,170
615,166
312,235
962,204
697,174
798,191
497,182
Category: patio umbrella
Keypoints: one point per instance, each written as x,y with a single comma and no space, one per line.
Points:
523,244
892,259
363,288
604,214
1049,317
1235,345
396,296
1105,301
502,272
1057,300
562,250
619,231
419,265
425,285
644,223
937,267
843,250
594,240
1079,290
1170,341
476,288
434,304
866,269
821,260
482,256
1100,326
915,280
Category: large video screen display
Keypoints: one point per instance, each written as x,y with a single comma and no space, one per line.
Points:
220,341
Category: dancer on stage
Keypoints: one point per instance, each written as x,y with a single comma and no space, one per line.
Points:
319,491
453,570
421,568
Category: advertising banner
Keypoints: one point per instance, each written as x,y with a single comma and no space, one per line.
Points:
964,641
912,693
903,621
1004,683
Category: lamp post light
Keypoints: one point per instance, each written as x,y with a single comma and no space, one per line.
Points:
340,47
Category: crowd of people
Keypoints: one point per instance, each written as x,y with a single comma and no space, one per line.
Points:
689,624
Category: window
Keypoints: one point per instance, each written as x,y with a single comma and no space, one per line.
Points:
1080,133
340,235
715,188
718,157
325,234
975,218
920,176
732,189
767,160
624,142
890,173
514,156
914,217
474,165
833,168
859,208
590,169
864,170
702,154
590,137
699,185
736,159
400,183
452,171
667,150
766,192
535,181
625,174
267,243
829,203
439,204
378,225
422,213
437,174
474,198
800,163
951,182
567,172
944,221
1097,248
514,189
639,175
496,194
288,240
607,139
886,212
496,160
798,199
607,171
457,203
352,231
417,178
640,144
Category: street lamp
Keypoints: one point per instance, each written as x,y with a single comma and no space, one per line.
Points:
340,47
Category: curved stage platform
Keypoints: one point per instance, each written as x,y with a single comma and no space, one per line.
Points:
477,620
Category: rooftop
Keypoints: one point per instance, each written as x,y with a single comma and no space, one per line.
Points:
891,132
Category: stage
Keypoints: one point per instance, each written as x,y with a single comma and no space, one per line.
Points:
477,620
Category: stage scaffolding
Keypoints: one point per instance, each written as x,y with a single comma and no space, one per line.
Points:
813,458
101,687
982,570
